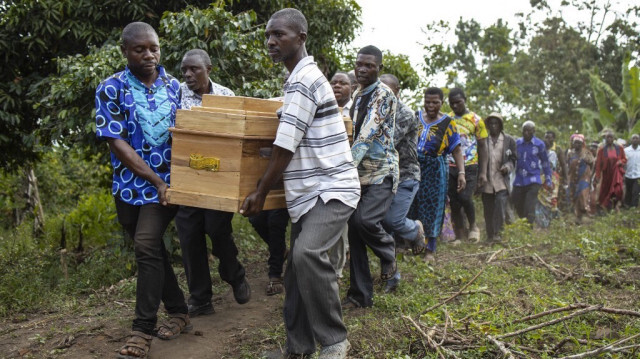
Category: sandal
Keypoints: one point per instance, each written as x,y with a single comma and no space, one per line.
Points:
139,342
388,270
178,323
275,286
419,244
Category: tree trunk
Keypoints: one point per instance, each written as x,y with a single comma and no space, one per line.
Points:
33,200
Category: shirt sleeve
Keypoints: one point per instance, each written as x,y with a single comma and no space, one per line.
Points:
544,162
110,119
481,128
404,122
453,137
298,112
384,106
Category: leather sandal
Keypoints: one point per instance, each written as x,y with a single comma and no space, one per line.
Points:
139,342
177,324
275,286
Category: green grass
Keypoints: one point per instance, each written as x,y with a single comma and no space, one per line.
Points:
602,258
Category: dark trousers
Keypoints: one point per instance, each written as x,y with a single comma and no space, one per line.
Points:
192,224
312,311
271,225
365,229
632,191
524,200
462,200
156,280
495,211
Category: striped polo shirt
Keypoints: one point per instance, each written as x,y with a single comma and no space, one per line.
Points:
313,129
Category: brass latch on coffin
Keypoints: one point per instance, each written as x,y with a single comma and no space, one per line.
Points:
199,162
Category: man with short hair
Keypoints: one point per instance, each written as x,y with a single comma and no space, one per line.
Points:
134,110
376,158
501,163
531,163
341,85
311,155
473,141
632,174
405,139
194,223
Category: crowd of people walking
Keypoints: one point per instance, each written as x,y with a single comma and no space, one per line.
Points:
390,187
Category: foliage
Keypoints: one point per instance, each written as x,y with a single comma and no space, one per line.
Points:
617,111
235,40
64,175
534,69
332,25
33,34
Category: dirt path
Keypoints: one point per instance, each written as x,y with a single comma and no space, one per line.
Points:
97,335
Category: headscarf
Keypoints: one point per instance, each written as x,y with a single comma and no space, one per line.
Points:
577,137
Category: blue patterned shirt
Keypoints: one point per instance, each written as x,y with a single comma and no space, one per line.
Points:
532,162
116,117
373,148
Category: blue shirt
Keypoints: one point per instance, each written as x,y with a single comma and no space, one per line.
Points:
116,117
532,159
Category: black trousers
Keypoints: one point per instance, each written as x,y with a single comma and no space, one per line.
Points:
156,280
192,224
524,200
462,200
495,212
632,191
271,225
365,229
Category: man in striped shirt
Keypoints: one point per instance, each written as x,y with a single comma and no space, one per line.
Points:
312,155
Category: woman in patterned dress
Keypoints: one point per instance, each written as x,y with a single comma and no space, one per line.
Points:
579,175
438,138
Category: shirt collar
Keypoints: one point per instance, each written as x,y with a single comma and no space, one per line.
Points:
188,93
302,63
369,88
161,73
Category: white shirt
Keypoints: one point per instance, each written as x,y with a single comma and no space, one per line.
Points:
633,162
312,128
346,108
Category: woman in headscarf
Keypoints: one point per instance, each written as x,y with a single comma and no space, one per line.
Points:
438,137
580,162
610,162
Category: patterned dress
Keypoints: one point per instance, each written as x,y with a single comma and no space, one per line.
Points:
580,168
437,139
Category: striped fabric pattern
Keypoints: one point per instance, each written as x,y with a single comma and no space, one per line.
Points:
313,129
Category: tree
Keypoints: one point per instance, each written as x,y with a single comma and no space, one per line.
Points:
537,69
33,35
332,25
617,111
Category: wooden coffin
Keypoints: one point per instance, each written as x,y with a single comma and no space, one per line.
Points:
221,149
